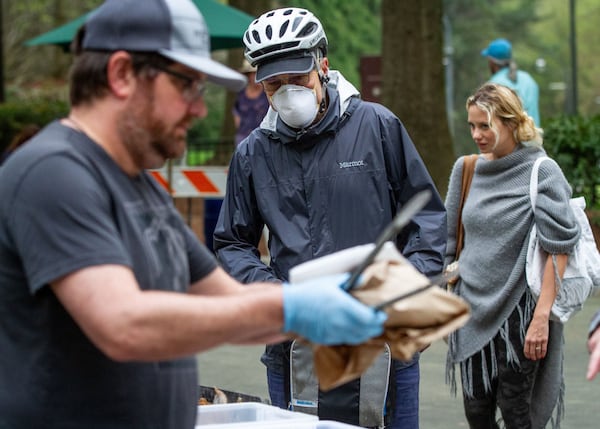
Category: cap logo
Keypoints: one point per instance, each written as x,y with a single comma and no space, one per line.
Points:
190,35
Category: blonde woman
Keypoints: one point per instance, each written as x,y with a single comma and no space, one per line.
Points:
510,352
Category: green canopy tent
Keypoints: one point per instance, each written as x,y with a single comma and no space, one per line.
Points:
226,26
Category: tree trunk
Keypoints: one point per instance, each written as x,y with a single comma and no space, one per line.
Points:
413,79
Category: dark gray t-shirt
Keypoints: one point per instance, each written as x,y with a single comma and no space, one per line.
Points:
65,205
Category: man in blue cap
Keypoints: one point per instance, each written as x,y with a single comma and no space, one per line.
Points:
504,72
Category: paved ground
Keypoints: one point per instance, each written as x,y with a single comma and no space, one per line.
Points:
238,369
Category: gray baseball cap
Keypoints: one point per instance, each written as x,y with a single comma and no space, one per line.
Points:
174,28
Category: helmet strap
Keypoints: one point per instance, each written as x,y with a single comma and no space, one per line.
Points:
323,78
323,105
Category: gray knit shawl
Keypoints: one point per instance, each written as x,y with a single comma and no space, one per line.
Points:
497,219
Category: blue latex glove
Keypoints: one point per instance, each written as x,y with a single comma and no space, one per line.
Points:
320,311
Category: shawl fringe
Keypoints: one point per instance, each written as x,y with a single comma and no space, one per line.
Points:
466,366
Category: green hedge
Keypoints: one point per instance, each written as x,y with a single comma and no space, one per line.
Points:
21,111
574,142
14,115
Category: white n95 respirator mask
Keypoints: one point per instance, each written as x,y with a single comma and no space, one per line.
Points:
296,105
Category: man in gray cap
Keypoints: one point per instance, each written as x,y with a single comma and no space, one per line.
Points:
504,72
106,294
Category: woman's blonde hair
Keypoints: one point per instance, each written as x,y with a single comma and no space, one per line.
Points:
503,103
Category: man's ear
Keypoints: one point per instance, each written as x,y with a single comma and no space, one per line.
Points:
323,70
120,76
325,65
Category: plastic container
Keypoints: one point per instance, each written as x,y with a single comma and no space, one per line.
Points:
250,415
318,424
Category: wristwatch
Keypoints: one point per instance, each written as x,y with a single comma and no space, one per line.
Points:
594,324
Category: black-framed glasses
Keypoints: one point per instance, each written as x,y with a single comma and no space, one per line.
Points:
192,88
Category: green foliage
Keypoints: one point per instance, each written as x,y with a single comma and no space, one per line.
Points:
472,25
206,146
538,30
574,142
210,126
15,115
553,44
25,19
353,29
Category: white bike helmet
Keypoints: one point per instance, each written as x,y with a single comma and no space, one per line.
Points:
284,41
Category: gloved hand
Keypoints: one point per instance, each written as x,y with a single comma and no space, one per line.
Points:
320,311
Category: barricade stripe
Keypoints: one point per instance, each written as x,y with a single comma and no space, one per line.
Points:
200,181
160,180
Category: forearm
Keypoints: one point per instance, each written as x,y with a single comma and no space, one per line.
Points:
236,248
549,287
128,323
593,345
228,285
426,243
243,262
172,325
264,339
538,332
424,240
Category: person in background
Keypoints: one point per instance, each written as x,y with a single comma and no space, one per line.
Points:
23,136
324,171
249,108
250,105
504,72
509,352
594,347
106,294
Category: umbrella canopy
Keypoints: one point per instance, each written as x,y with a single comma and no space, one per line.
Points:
226,26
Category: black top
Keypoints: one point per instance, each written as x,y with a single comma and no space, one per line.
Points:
65,205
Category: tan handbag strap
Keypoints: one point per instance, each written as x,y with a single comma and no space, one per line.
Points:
467,177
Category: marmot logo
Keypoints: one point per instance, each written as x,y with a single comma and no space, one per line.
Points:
349,164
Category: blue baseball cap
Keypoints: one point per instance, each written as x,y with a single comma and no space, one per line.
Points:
499,50
174,28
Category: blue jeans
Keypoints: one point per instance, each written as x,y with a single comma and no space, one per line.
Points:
406,405
212,208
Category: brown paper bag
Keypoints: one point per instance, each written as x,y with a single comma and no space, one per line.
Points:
413,323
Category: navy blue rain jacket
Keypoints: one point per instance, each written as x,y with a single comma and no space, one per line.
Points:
332,186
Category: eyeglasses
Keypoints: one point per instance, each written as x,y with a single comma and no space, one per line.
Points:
272,84
191,89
